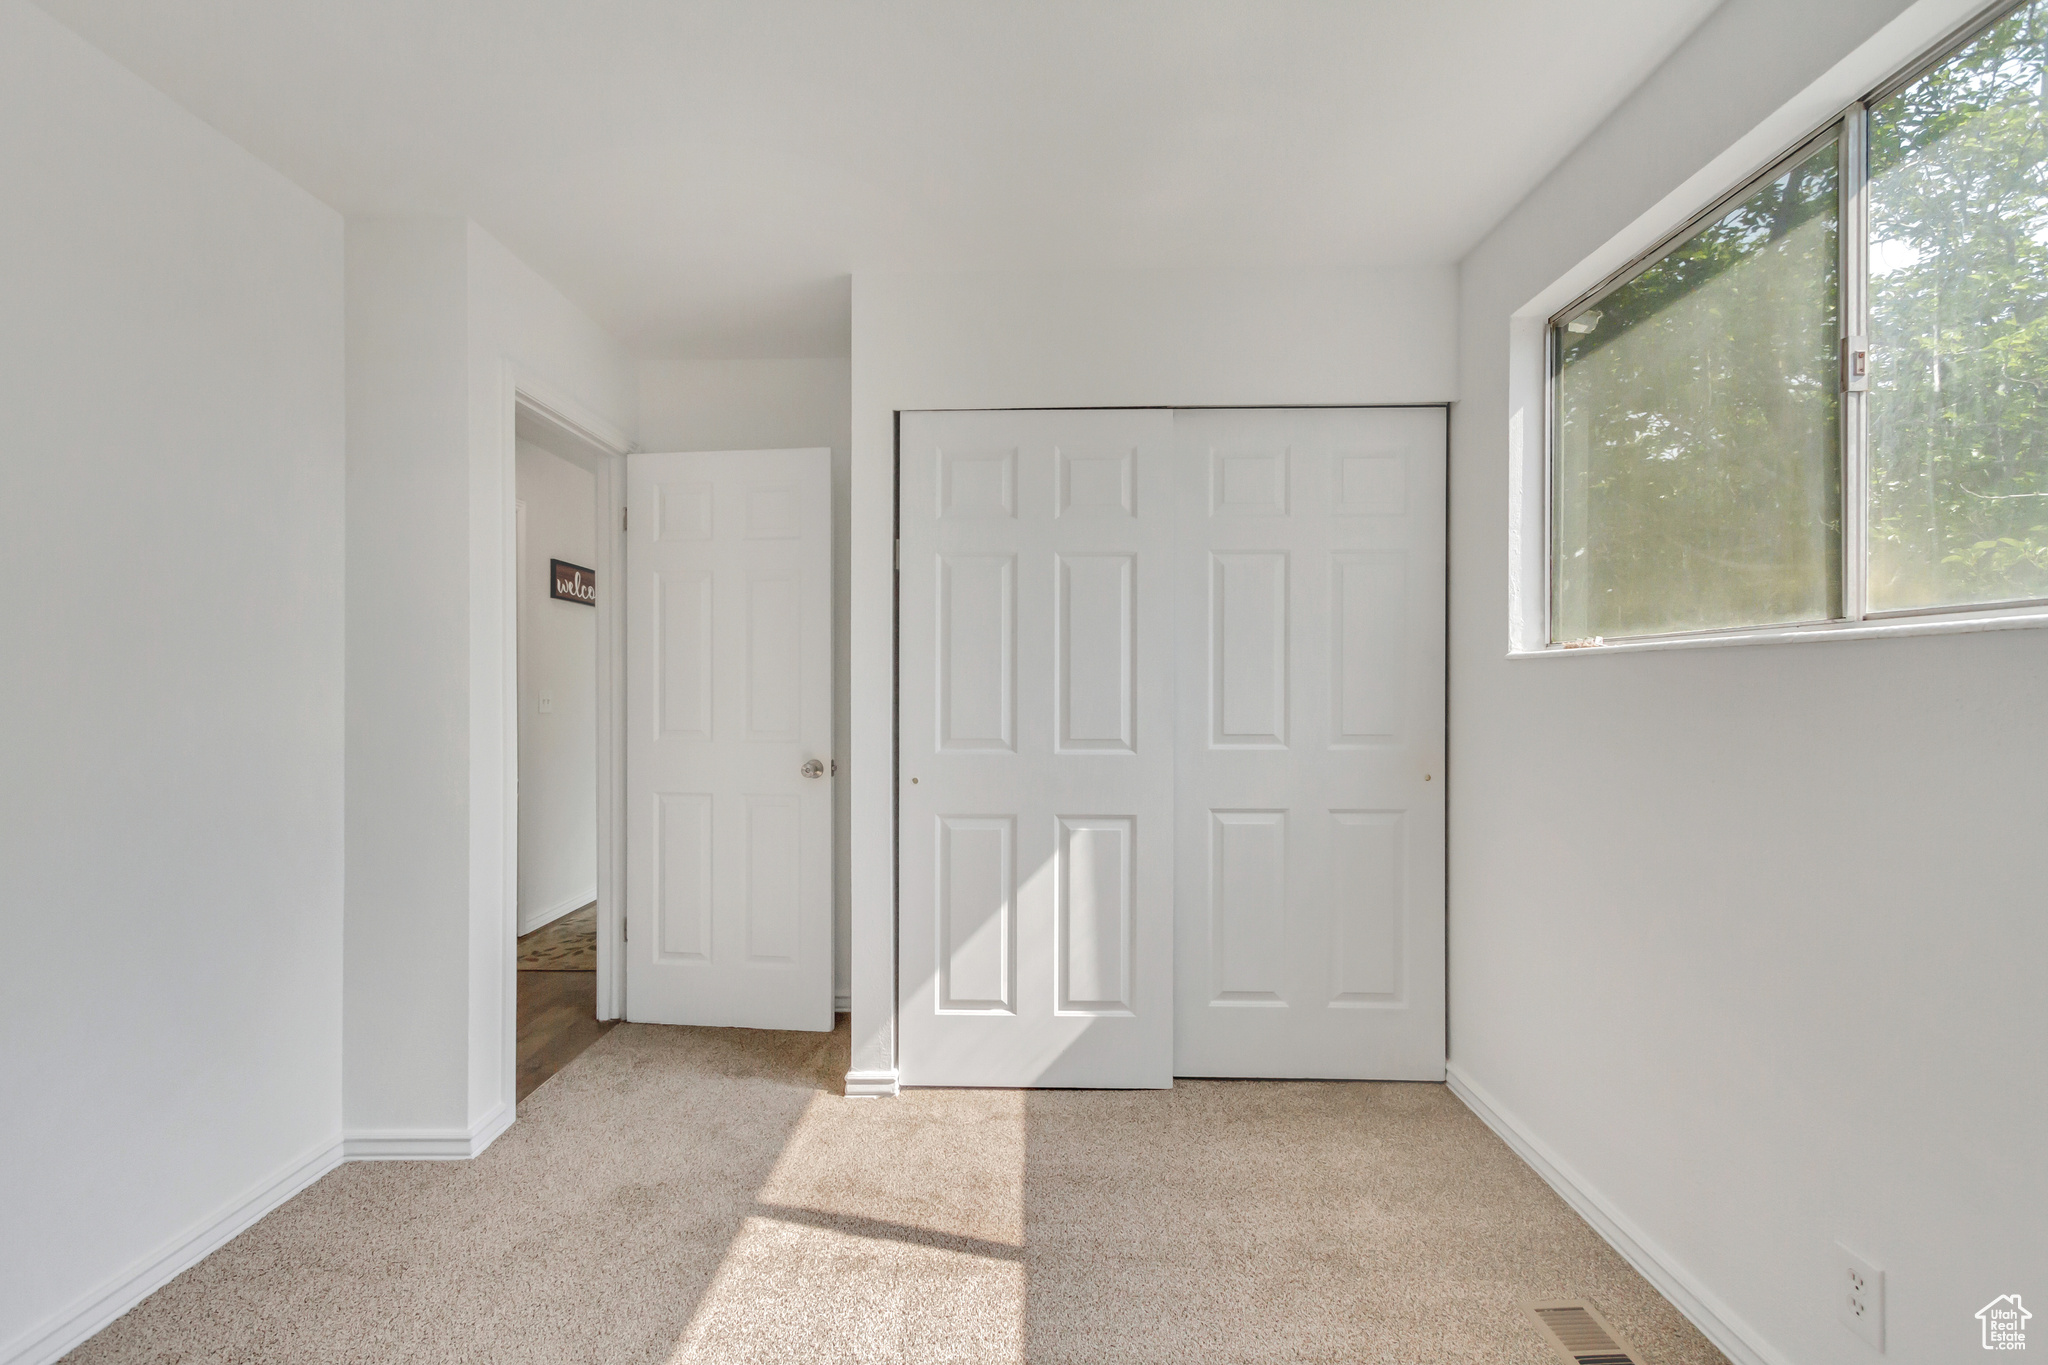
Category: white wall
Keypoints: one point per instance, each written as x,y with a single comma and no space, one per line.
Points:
171,424
1155,338
558,657
1750,939
522,332
407,838
690,404
444,323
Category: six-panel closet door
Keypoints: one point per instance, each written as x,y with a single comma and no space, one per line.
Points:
1309,889
1171,728
1036,727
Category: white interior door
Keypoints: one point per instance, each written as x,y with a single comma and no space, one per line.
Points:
729,739
1309,922
1036,725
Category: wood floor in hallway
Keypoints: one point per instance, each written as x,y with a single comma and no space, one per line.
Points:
557,1005
557,1020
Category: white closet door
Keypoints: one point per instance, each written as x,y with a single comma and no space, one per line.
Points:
1036,723
729,739
1309,924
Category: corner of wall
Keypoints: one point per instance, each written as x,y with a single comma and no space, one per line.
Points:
1734,842
444,323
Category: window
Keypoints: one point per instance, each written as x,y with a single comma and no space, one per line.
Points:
1722,454
1958,407
1697,439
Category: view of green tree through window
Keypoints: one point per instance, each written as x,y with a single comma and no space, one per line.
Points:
1706,401
1696,477
1958,414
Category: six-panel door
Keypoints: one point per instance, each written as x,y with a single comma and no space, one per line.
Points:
729,696
1309,882
1036,725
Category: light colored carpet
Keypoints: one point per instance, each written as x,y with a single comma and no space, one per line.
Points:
568,944
685,1195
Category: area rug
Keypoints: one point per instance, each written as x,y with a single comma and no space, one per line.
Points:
568,944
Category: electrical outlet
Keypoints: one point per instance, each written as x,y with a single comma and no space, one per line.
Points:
1859,1296
547,700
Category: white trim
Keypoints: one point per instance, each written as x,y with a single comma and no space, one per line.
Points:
2030,619
554,912
91,1313
506,929
842,1002
428,1144
872,1085
521,390
1732,1336
573,417
611,747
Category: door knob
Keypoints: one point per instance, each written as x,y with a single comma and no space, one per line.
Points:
812,768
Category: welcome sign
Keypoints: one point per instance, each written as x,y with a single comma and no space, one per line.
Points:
572,582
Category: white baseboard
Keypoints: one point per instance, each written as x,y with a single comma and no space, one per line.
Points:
1729,1333
532,920
63,1330
842,1003
428,1144
871,1085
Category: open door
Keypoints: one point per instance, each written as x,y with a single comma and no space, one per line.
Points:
729,739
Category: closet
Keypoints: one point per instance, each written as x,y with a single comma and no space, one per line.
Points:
1170,727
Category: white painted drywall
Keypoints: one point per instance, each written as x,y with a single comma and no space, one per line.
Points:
443,324
1164,338
408,593
171,425
558,659
688,404
1752,939
522,330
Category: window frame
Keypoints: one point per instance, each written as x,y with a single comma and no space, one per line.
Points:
1848,127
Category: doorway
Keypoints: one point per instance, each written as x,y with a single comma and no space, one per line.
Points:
559,525
1170,739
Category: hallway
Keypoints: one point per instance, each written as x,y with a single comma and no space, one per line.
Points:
557,996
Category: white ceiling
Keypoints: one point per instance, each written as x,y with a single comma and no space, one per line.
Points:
703,175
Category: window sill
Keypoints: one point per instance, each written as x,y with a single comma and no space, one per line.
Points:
2025,618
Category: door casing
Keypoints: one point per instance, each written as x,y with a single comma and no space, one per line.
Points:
587,439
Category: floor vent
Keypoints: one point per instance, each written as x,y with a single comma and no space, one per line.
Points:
1578,1333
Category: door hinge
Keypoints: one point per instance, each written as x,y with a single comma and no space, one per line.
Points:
625,930
1855,365
625,515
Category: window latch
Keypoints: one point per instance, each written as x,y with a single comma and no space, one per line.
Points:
1855,365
